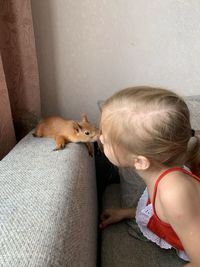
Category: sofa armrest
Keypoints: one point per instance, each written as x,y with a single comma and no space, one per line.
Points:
48,205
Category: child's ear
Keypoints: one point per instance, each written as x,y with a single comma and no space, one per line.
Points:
141,163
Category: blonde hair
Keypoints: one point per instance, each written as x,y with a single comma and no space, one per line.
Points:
152,122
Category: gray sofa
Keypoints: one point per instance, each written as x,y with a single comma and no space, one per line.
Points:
48,210
48,206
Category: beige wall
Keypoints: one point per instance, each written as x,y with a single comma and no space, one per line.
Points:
87,49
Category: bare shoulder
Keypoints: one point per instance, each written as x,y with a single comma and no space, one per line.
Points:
179,193
179,196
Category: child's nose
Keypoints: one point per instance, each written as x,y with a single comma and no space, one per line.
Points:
100,142
101,139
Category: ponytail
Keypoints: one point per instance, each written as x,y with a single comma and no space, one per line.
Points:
193,155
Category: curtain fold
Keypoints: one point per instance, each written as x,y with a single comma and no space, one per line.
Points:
7,135
19,79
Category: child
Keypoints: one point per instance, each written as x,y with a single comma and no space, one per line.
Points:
148,129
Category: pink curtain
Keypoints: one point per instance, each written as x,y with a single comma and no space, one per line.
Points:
19,82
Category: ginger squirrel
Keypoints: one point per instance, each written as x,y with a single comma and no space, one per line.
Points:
67,131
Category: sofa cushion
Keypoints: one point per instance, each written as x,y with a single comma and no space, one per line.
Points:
193,103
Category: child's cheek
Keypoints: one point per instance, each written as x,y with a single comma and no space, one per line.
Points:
106,151
110,155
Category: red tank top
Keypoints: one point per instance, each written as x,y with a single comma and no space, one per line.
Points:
160,228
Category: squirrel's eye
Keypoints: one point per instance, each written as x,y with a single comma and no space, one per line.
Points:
87,133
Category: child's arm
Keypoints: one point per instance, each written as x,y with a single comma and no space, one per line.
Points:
110,216
182,210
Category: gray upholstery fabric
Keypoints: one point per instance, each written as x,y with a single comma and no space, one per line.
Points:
120,249
48,206
193,103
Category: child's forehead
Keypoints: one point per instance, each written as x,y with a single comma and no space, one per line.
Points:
101,124
104,119
105,122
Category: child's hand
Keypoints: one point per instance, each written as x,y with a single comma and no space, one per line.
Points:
110,216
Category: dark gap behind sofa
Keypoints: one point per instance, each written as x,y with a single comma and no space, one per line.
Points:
106,173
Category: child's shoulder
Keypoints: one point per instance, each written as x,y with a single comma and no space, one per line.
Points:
177,190
177,181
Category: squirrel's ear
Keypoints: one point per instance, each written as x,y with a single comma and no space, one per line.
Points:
141,163
84,117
